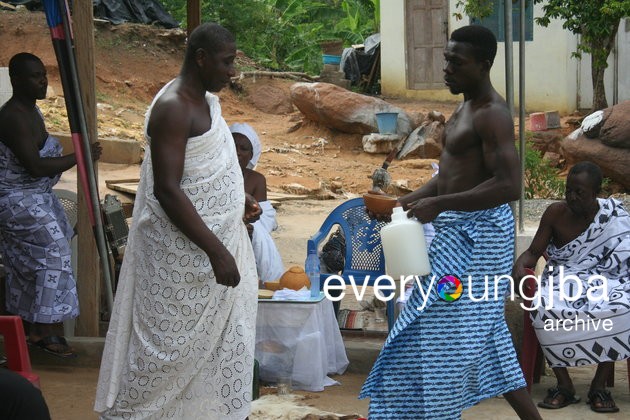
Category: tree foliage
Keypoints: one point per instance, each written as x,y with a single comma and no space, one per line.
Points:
285,34
596,21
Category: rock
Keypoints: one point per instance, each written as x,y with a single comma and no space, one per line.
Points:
417,163
424,142
546,141
299,189
270,99
380,143
417,118
436,116
553,159
615,131
344,110
400,187
612,160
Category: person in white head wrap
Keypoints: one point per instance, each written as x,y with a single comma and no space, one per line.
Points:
248,148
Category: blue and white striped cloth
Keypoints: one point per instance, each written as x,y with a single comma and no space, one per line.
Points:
448,356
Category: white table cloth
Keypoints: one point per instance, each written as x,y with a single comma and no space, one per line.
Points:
300,339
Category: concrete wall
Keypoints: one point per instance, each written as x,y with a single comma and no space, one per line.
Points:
114,150
551,82
5,85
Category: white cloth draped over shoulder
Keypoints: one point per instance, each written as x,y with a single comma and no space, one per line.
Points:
603,249
268,260
180,345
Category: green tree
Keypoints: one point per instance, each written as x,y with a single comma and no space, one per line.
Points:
596,21
285,34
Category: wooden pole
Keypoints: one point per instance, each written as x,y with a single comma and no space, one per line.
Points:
193,15
88,272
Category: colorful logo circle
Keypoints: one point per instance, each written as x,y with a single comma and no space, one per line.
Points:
450,288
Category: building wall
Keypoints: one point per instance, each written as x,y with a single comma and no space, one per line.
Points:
552,75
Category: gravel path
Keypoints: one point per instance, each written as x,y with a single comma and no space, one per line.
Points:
533,209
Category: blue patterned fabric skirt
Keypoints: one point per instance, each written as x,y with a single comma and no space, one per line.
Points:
442,356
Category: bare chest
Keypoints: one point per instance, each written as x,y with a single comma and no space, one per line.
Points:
459,133
567,230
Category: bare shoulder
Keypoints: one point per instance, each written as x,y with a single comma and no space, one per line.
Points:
258,176
555,212
14,121
169,112
493,111
169,105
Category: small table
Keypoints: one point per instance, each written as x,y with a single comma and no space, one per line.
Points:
300,339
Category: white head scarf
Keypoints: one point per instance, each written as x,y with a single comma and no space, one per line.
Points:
250,133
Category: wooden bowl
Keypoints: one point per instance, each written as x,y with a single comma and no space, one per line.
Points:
379,204
273,285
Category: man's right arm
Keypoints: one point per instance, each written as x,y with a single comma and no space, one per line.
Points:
542,238
430,189
169,129
14,133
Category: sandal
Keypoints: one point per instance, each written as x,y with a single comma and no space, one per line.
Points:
599,401
562,395
54,345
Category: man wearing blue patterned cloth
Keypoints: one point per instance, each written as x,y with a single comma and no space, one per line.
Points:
467,204
34,230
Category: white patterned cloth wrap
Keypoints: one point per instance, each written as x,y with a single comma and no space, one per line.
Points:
179,345
268,260
602,249
438,361
35,240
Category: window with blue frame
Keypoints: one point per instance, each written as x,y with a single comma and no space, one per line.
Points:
496,23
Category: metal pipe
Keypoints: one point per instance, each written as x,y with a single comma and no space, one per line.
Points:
521,113
616,70
87,153
509,56
509,76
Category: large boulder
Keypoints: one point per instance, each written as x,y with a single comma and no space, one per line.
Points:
612,160
270,99
343,110
615,130
604,139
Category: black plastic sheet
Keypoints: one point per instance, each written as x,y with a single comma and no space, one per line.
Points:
119,11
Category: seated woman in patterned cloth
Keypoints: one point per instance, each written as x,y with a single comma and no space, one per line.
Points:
582,305
268,261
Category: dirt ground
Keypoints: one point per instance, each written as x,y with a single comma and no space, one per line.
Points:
134,61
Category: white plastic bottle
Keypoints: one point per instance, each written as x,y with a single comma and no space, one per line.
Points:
404,246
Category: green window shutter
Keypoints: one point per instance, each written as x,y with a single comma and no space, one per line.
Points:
495,21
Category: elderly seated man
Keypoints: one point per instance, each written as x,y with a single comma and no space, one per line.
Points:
582,305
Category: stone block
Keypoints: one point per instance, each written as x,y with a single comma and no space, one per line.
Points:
380,143
537,121
552,119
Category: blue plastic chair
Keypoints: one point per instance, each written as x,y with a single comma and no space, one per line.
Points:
364,252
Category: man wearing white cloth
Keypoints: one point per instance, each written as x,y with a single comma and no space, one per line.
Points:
582,307
181,339
268,260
